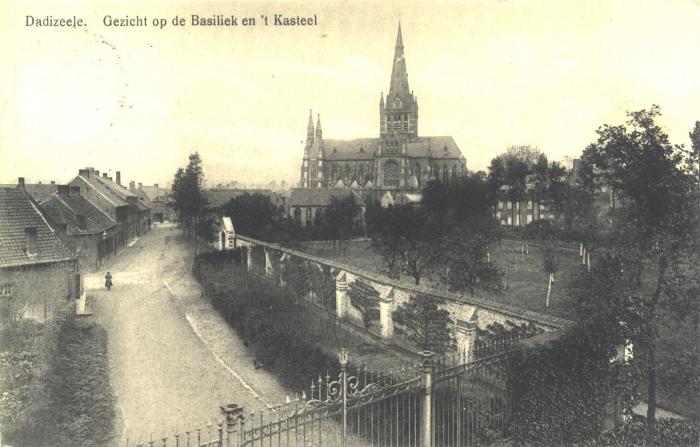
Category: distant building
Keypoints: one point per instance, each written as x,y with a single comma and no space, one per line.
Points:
307,203
121,205
385,168
86,227
159,199
398,159
38,274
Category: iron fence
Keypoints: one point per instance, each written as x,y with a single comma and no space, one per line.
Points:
415,405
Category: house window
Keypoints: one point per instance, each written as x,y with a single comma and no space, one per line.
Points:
307,215
500,204
529,204
6,290
31,240
509,205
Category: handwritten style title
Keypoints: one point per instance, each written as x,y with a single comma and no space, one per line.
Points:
195,20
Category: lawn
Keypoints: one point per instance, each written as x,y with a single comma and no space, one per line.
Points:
527,288
526,279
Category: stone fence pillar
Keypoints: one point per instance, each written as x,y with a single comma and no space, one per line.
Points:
466,340
386,321
249,257
341,295
269,269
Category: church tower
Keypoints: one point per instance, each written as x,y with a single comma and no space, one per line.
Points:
399,113
312,165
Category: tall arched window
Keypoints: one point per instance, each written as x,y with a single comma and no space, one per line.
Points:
392,172
417,173
444,174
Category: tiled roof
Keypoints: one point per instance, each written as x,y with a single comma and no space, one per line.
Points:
318,196
365,148
433,147
218,197
101,188
66,209
355,149
19,211
40,191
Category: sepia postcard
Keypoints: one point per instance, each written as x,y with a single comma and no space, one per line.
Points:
349,223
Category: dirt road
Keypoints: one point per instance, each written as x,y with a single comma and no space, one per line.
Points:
173,360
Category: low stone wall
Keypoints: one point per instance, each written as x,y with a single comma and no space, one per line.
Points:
467,312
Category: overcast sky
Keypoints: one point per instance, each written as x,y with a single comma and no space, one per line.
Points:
489,73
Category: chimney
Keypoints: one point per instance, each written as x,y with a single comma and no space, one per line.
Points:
20,183
132,185
97,173
64,190
140,185
104,175
53,182
155,185
119,178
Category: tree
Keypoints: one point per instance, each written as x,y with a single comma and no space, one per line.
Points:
254,215
189,202
386,242
425,324
364,298
406,237
462,213
653,264
340,218
695,142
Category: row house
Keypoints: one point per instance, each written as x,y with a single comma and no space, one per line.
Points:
39,275
159,200
120,204
86,228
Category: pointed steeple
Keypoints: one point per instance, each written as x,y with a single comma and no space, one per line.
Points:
310,127
399,76
319,132
309,135
381,101
399,39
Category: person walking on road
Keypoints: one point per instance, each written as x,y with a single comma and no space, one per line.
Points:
108,281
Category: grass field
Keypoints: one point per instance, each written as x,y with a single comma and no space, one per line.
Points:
527,288
526,278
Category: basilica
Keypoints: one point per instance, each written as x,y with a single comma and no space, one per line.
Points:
397,163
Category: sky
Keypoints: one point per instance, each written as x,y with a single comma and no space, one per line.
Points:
489,73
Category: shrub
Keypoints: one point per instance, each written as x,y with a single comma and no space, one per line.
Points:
563,390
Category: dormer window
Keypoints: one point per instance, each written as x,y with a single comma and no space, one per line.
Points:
31,238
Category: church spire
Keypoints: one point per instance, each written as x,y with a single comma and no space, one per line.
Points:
399,76
310,127
319,132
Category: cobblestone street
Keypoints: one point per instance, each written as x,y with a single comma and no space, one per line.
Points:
173,360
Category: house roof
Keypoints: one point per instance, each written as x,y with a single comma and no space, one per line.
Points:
228,225
40,191
103,190
440,147
19,211
318,196
65,209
